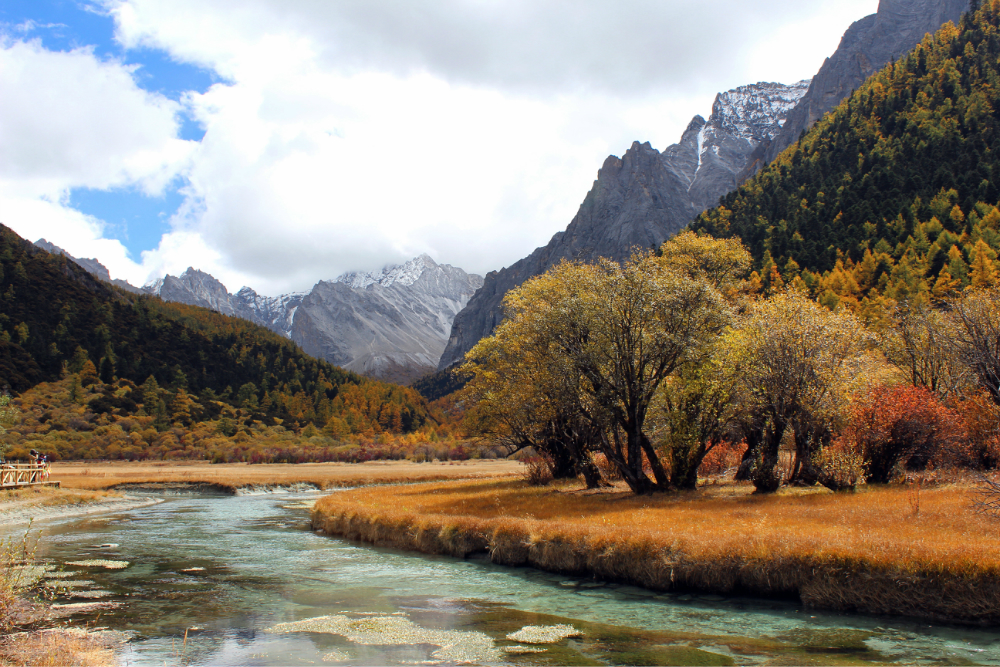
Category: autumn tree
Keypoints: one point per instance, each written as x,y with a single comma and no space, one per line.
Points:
623,329
792,362
527,393
920,342
693,409
694,402
977,314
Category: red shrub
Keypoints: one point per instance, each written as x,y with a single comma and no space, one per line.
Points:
904,428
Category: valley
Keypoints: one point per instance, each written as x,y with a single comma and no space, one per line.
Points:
743,409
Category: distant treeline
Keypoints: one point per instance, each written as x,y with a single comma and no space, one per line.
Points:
58,320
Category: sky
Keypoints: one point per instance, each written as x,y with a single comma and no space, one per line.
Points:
274,143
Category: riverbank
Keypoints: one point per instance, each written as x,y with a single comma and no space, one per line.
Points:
885,550
236,477
23,506
60,646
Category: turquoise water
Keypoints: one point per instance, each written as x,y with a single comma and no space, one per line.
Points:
228,571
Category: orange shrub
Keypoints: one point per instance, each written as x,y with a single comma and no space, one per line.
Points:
723,457
903,428
981,419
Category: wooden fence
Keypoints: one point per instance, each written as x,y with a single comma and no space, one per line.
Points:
24,474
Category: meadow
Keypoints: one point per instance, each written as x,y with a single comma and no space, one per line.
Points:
232,476
902,550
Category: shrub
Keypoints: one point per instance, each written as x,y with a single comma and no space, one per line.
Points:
902,428
16,575
538,470
725,456
981,419
841,466
609,471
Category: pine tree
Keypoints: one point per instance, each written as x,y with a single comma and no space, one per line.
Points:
984,272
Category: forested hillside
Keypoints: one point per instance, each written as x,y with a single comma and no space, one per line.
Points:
57,320
894,194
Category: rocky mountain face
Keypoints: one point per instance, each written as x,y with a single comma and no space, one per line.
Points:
642,199
194,288
867,46
90,264
391,324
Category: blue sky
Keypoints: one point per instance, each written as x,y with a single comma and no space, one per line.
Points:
134,218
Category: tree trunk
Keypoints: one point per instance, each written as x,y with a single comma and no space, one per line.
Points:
684,471
807,444
765,478
591,473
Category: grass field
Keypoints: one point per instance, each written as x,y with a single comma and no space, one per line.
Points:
104,475
898,550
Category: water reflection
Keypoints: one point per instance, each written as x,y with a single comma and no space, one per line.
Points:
222,570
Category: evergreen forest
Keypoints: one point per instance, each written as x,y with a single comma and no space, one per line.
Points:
114,355
893,195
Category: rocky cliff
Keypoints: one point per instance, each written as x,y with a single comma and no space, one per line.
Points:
194,288
642,198
391,324
867,46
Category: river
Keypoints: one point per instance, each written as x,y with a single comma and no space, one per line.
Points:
223,580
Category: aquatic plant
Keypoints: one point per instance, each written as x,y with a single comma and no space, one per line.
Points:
544,634
100,562
456,646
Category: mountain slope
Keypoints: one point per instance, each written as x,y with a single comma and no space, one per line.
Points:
867,46
641,199
391,324
894,193
91,264
57,317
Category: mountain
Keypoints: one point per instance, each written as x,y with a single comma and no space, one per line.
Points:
748,128
867,46
90,264
195,288
391,324
642,198
893,195
57,318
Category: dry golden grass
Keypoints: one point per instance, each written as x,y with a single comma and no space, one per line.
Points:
104,475
881,550
56,648
49,496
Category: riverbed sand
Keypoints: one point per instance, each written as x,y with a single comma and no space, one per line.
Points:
25,506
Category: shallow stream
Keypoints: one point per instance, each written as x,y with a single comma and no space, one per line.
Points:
233,581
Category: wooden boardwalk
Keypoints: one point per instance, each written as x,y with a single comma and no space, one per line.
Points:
17,475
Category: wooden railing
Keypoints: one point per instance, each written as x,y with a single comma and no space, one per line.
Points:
23,474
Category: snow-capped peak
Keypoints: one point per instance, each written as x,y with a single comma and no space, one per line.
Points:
757,111
401,274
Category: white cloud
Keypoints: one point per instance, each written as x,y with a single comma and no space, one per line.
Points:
353,133
68,120
626,48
